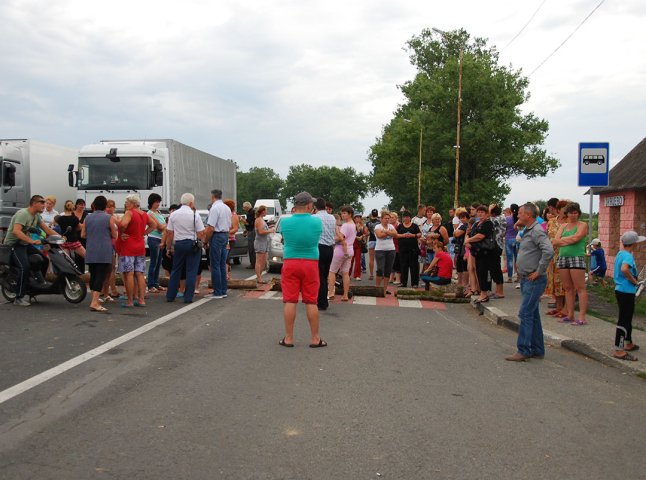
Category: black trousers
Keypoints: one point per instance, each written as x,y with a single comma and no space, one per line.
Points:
408,261
98,274
325,259
488,264
20,259
251,237
626,304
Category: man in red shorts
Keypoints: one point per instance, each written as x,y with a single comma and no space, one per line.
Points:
300,274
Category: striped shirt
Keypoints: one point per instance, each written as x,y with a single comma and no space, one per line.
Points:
329,228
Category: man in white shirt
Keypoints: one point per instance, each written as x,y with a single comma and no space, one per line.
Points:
218,225
420,218
326,251
184,228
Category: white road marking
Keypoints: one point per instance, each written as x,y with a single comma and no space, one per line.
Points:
410,303
32,382
269,294
358,300
253,277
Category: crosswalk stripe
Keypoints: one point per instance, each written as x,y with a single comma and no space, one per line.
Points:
358,300
410,303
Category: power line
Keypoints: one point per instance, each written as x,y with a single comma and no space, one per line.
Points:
567,38
525,26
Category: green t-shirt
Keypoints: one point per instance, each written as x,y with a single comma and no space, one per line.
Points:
24,218
301,233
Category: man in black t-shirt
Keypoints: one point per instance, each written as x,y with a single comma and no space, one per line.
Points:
250,232
372,240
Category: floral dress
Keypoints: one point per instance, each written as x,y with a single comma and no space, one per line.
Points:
554,286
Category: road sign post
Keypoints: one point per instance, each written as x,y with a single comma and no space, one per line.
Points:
593,171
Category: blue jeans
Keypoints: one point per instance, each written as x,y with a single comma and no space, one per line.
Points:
363,262
511,251
530,332
154,245
218,258
183,255
435,279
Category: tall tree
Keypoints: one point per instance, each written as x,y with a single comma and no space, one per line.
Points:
340,186
498,141
258,182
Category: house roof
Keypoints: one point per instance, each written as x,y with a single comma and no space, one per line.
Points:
629,173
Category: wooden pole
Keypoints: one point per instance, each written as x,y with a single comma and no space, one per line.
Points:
457,146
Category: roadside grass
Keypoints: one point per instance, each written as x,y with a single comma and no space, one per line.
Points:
607,295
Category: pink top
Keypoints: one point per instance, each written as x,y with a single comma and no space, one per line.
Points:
350,232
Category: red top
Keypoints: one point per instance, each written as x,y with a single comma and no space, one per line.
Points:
444,265
134,245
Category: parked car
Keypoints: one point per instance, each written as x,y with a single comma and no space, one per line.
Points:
276,247
240,247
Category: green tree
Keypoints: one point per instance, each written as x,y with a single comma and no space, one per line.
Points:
341,186
258,182
498,140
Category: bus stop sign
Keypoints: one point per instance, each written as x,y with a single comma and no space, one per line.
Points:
593,164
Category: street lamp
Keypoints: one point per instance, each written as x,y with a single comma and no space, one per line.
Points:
419,172
457,145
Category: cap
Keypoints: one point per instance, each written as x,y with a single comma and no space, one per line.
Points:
375,212
303,198
630,238
595,241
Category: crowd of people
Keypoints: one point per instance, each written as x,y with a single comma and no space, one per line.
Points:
542,253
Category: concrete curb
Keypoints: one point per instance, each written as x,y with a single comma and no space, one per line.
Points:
498,317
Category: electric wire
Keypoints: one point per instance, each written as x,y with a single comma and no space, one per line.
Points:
567,38
525,26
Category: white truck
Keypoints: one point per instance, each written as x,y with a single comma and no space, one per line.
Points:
118,168
30,167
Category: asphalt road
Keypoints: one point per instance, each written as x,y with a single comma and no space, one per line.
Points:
399,393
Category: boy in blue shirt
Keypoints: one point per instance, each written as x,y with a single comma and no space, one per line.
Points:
626,285
598,265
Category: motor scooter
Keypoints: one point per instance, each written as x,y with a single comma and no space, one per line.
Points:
67,280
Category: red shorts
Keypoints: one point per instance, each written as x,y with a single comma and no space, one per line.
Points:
300,276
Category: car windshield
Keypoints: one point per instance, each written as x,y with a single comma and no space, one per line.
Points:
130,173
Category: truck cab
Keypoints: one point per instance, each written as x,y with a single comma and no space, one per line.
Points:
117,169
12,184
274,209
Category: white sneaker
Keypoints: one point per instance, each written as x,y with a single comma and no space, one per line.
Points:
22,302
517,286
218,296
358,279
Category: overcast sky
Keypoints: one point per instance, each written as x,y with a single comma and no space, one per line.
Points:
277,83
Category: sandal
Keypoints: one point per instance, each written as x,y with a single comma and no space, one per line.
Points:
98,309
551,312
282,343
324,344
628,357
565,320
345,299
634,347
495,296
579,323
153,290
481,300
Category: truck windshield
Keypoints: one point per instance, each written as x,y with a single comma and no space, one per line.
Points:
131,173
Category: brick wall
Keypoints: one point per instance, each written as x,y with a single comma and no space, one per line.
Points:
614,221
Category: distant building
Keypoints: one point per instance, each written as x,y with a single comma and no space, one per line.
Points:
622,205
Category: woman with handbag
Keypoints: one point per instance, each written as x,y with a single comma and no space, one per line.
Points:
360,246
485,249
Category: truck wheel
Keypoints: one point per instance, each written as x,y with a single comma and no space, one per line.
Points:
77,290
586,162
9,295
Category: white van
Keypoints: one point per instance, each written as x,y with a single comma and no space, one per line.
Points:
274,210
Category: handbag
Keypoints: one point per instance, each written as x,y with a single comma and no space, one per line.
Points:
198,244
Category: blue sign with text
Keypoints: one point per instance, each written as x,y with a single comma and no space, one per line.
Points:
594,164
